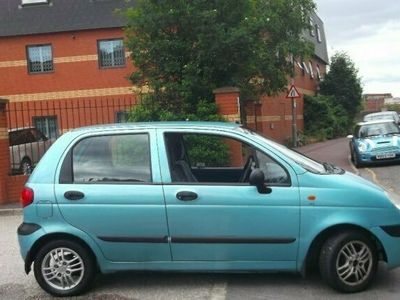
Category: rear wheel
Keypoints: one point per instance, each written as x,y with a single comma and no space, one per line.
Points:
348,262
64,268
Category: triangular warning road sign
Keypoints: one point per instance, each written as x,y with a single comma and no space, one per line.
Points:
293,93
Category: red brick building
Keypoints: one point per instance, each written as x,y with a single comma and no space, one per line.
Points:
63,65
375,102
60,53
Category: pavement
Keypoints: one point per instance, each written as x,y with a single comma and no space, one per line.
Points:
332,151
10,209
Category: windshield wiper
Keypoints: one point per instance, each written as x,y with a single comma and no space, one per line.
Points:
330,168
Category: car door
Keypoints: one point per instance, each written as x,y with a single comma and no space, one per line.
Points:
109,187
228,220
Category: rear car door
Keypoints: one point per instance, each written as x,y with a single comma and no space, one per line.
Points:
109,187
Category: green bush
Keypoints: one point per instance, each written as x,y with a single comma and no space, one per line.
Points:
322,119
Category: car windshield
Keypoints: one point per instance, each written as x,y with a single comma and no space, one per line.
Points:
376,129
304,161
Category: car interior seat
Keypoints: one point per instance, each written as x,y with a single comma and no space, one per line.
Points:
178,161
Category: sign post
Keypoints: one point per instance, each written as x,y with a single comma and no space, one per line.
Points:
294,94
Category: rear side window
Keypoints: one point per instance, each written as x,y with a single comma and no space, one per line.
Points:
112,158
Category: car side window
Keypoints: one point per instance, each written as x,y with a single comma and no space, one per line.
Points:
218,159
112,158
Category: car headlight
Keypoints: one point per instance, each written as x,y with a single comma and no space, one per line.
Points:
394,198
362,147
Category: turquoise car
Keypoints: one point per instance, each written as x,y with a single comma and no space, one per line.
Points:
375,142
194,197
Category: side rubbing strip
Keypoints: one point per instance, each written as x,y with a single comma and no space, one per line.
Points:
231,240
121,239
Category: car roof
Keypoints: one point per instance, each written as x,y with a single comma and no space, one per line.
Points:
375,122
153,125
381,113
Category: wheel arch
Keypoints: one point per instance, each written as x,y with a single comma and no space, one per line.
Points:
31,256
312,256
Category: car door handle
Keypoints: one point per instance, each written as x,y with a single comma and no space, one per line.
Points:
74,195
186,196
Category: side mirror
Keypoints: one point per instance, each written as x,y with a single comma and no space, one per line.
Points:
350,136
257,179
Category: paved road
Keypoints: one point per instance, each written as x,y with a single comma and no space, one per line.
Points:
333,151
14,284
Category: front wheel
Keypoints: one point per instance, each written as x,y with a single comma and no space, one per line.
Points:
64,268
356,161
348,262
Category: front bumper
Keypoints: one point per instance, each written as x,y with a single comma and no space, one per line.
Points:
390,243
371,157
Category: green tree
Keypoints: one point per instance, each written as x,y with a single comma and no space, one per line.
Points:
184,49
344,85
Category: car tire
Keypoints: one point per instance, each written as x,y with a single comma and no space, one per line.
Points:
357,162
351,154
26,166
348,262
64,268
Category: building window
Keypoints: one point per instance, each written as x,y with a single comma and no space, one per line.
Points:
111,53
312,27
47,125
299,64
305,68
311,69
318,73
40,59
121,116
319,36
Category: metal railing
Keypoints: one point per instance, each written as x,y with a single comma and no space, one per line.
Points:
35,125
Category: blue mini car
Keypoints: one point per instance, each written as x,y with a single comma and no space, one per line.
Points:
374,142
198,196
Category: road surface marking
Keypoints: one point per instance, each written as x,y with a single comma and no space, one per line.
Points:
374,177
352,166
218,291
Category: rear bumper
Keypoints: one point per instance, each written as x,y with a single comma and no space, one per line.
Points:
28,234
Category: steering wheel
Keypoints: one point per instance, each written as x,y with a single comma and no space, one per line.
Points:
247,169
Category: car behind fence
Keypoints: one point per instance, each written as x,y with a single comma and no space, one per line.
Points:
34,126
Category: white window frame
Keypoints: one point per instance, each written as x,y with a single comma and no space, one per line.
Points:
310,64
319,36
312,29
319,77
42,70
29,2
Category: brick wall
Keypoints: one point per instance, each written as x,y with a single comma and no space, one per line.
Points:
75,67
14,187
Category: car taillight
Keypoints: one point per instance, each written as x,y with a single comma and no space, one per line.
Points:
26,196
